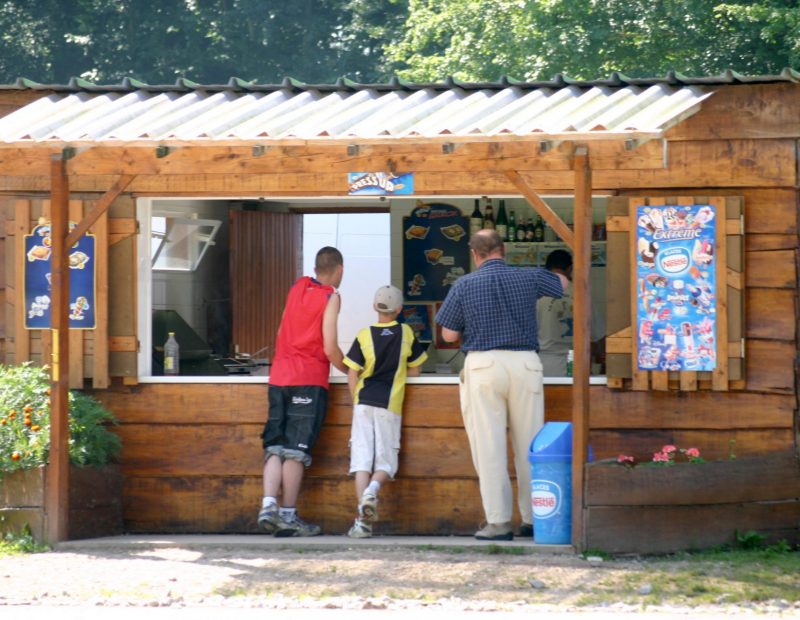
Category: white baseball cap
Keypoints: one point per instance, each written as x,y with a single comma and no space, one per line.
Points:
388,299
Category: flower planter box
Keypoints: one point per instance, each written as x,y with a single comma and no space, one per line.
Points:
95,502
691,505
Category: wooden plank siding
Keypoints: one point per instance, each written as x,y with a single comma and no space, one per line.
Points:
187,448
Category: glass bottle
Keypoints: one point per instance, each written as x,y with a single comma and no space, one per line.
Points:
529,230
488,215
512,226
475,219
538,230
570,360
521,230
501,225
171,355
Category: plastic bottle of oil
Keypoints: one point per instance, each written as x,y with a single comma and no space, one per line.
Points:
171,355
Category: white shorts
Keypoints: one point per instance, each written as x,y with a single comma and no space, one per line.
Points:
374,440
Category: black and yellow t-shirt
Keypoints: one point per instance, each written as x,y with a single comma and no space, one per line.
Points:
382,353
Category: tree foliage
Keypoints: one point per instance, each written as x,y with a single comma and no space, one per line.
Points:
316,41
207,41
536,39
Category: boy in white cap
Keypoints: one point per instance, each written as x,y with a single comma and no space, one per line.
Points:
379,361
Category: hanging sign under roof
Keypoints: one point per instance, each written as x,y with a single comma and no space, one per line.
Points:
37,280
380,184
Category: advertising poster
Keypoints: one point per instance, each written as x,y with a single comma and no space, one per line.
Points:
435,251
380,184
676,286
418,318
37,280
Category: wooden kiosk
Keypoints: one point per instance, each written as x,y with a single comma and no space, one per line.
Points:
191,453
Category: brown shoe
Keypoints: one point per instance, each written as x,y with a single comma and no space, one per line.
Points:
495,531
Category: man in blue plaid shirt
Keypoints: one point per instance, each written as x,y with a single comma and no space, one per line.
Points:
493,312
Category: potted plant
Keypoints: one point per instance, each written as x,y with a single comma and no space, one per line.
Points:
95,480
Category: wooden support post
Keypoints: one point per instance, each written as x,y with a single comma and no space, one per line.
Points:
56,499
582,323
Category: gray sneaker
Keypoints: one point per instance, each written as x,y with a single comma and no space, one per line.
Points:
359,529
495,531
368,508
269,519
295,526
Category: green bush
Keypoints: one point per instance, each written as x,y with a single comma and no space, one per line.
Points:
25,422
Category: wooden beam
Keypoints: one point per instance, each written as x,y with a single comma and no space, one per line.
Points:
214,159
57,504
99,208
542,208
582,329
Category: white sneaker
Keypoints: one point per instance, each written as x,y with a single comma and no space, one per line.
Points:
368,508
359,529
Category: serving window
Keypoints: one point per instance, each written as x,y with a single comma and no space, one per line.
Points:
216,272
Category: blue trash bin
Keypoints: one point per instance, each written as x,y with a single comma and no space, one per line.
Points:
550,457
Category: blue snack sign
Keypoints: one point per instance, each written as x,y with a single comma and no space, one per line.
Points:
380,184
676,287
37,280
435,251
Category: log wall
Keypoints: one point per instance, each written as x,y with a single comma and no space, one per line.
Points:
191,454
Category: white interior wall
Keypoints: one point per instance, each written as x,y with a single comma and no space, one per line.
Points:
364,241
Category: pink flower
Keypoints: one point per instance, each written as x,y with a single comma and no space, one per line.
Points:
661,457
692,453
623,458
669,449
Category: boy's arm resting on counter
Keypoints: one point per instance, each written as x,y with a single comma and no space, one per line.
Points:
413,371
330,338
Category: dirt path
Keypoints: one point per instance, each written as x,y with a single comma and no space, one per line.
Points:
355,578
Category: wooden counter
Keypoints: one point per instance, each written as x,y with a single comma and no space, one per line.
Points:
191,456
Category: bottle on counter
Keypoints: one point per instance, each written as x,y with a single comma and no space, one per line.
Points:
171,355
529,233
521,229
538,230
512,226
570,360
501,225
475,219
488,215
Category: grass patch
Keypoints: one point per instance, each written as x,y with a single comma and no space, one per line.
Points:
718,576
16,544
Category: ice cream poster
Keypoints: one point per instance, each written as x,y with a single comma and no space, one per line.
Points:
676,285
380,184
37,280
418,317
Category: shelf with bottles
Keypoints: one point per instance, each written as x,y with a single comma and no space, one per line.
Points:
524,254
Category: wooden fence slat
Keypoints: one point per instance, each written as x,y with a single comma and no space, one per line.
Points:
719,376
100,374
22,223
640,379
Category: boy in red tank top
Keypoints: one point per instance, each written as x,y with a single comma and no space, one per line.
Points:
298,391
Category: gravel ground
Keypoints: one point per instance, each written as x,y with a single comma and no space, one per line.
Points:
394,578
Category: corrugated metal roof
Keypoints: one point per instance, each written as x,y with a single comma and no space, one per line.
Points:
294,113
